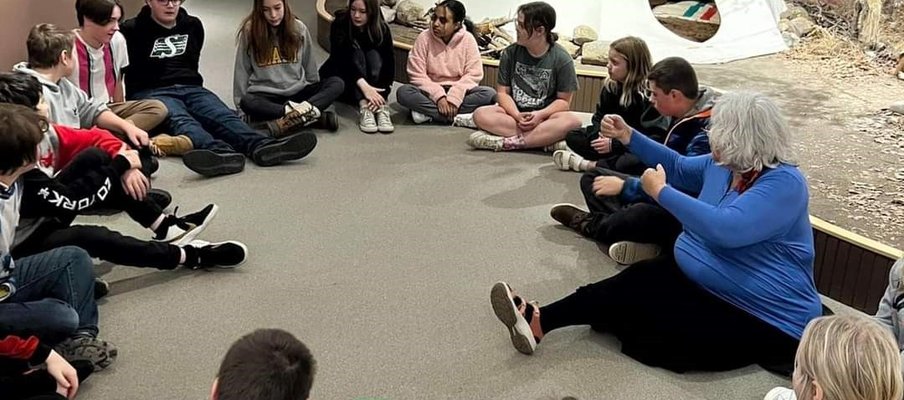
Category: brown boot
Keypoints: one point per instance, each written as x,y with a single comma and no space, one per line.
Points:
165,145
302,115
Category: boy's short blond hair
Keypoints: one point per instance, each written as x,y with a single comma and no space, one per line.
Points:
849,357
46,42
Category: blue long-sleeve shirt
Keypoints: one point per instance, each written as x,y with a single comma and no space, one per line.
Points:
752,249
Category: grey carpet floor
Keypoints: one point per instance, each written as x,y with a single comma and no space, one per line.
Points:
378,251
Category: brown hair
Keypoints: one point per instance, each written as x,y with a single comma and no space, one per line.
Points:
675,73
21,130
46,43
540,14
637,56
375,22
267,364
261,37
98,11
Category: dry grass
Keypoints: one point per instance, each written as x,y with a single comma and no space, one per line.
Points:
833,46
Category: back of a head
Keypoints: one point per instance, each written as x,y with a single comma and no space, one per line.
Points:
849,358
99,12
267,364
21,130
675,73
46,42
20,88
540,14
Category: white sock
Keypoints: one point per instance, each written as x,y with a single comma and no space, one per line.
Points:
289,109
181,256
157,223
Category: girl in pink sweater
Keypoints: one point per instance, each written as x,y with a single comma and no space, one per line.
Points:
445,70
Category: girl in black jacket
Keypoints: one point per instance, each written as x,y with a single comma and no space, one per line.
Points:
623,94
361,53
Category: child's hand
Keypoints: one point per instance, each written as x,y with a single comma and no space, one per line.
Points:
65,375
135,184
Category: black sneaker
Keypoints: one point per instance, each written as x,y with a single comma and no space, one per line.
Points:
201,254
571,216
101,288
161,197
329,121
181,230
210,163
286,149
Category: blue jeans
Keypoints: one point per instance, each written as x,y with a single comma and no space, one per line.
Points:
201,115
54,296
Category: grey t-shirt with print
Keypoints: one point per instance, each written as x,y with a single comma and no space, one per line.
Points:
535,82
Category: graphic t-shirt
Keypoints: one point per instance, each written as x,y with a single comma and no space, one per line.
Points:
536,82
97,70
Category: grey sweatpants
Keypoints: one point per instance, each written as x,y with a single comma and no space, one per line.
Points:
415,99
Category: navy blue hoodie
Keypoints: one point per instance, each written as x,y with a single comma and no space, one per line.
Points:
159,56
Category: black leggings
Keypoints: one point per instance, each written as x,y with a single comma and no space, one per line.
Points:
579,140
663,319
370,64
266,107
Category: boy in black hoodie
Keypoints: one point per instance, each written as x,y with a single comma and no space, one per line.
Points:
165,45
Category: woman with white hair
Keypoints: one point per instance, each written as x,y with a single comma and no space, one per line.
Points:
738,288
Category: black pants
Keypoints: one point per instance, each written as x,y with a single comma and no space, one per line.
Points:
663,319
101,243
266,107
371,65
612,220
57,231
579,140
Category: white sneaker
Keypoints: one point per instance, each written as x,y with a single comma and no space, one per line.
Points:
485,141
384,123
310,112
567,160
367,122
464,121
419,118
627,253
780,393
560,145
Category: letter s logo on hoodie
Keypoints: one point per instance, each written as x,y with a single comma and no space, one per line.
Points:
170,46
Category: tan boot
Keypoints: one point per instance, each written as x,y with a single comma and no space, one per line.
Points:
301,115
164,145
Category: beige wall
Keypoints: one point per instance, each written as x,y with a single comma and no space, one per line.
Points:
18,16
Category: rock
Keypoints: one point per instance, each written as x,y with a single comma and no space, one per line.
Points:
790,38
595,53
409,13
571,48
389,14
390,3
584,34
794,11
897,107
802,26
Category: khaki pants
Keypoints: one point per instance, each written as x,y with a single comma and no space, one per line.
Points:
145,114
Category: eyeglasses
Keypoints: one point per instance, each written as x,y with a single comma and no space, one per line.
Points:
168,2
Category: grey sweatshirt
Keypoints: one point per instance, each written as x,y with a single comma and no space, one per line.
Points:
891,307
69,105
283,75
10,200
